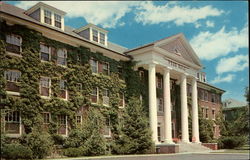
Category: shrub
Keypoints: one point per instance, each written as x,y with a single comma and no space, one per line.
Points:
16,151
230,142
39,142
73,152
76,139
58,139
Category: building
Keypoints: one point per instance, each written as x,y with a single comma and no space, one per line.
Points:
169,68
232,108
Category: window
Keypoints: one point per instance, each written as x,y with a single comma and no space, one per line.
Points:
102,38
78,120
94,95
213,98
63,89
107,128
62,57
94,66
105,97
95,35
121,102
120,72
12,122
159,82
58,22
12,77
159,133
206,96
203,112
47,17
189,90
14,43
160,104
141,74
46,117
105,68
45,86
62,122
207,110
45,52
213,114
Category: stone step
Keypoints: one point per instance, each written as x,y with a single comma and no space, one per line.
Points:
192,147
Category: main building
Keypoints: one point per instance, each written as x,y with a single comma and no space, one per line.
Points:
37,67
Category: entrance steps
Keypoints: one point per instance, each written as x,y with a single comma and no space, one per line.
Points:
192,147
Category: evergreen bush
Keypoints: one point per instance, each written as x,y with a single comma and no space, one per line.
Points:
73,152
16,151
230,142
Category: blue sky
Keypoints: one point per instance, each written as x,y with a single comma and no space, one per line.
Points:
218,31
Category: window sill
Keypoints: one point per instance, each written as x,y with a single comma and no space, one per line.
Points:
13,135
13,54
64,66
45,97
43,61
121,107
107,136
13,93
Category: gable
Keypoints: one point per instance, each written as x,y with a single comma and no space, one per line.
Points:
179,46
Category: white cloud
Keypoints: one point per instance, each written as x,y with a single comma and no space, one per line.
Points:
210,23
220,79
108,14
148,13
232,64
197,25
209,45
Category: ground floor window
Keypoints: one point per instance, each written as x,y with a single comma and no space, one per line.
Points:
12,122
62,124
107,128
159,133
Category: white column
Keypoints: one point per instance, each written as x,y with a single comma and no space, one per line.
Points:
167,106
152,102
184,109
195,118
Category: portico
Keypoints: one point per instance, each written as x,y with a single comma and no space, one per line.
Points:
181,65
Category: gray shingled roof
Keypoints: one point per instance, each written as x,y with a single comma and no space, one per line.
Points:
20,13
232,103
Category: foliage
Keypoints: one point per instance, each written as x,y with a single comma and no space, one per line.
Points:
39,142
58,139
247,94
230,142
16,151
136,136
73,152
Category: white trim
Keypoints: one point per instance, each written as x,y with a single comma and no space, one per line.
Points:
13,93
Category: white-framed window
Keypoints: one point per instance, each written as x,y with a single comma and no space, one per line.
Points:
213,114
12,122
107,127
12,75
46,117
207,110
213,97
159,132
62,57
160,104
105,68
45,52
14,43
47,17
63,89
94,65
102,38
78,119
58,20
95,35
94,95
105,97
122,100
206,95
62,124
45,86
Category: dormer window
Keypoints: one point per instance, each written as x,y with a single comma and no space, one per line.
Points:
47,17
95,35
58,20
102,38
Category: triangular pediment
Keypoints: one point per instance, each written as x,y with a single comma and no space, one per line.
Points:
179,46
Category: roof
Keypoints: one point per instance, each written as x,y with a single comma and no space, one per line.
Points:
232,103
39,4
20,13
211,86
88,26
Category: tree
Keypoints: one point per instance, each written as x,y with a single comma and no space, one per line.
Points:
247,94
135,134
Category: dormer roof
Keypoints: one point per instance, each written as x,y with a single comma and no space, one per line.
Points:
90,25
41,4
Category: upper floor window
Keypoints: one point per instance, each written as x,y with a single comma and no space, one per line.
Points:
102,38
105,68
159,82
207,110
78,120
47,17
107,128
45,86
95,35
63,89
12,78
14,43
45,52
122,101
94,95
213,98
94,65
206,96
58,20
46,117
213,114
62,57
105,97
